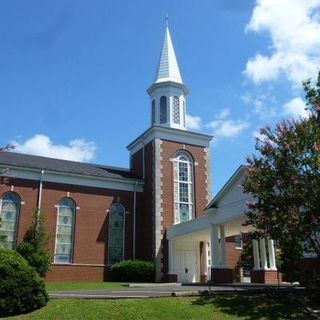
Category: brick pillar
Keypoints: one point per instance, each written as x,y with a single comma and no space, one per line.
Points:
219,276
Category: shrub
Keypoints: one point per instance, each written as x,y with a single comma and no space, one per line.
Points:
33,247
133,270
21,288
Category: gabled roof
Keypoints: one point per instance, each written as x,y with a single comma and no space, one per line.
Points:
168,69
12,159
234,177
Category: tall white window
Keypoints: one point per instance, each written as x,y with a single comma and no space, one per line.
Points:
9,215
65,231
163,109
116,233
176,110
183,187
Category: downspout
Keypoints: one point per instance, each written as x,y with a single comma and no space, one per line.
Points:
134,220
39,196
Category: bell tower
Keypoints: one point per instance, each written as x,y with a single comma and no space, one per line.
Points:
168,92
173,162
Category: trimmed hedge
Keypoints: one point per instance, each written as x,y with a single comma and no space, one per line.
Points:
133,270
21,288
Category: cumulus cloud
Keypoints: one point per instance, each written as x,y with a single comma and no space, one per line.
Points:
193,122
227,128
41,145
295,108
294,30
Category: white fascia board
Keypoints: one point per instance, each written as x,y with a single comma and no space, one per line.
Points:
170,134
239,172
74,179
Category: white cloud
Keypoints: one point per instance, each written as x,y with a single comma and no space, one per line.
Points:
224,113
295,108
41,145
227,128
193,122
294,30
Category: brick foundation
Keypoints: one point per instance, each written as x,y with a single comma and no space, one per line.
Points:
203,278
219,276
266,276
172,278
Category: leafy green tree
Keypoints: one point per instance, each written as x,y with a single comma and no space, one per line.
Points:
284,178
34,245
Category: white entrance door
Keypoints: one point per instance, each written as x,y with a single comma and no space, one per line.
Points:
187,265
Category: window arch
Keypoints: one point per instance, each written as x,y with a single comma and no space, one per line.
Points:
183,187
163,109
65,231
153,112
176,110
116,233
9,215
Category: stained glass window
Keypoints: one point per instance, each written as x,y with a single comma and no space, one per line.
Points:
9,214
183,187
176,110
163,109
116,233
65,231
153,112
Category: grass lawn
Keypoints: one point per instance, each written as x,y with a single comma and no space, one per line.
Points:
251,307
50,286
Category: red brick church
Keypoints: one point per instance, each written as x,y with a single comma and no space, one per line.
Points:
159,209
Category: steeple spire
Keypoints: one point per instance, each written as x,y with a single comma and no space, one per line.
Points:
168,93
168,69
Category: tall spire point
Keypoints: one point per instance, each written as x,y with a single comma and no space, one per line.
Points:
167,20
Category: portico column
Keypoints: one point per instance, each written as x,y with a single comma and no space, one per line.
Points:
205,265
223,247
215,254
272,257
256,258
263,254
170,256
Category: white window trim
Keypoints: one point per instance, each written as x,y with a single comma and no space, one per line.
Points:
73,234
235,244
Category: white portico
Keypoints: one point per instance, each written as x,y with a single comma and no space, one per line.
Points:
198,248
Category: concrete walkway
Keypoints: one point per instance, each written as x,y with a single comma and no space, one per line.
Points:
158,290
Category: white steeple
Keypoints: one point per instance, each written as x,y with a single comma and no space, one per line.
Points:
168,92
168,69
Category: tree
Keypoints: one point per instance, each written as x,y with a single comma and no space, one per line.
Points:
34,245
284,178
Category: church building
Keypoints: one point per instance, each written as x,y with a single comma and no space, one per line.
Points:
160,209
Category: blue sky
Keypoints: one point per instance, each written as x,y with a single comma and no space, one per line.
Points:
74,74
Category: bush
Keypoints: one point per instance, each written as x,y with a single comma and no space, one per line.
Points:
33,247
133,270
21,288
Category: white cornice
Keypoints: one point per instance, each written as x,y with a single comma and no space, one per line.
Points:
171,134
75,179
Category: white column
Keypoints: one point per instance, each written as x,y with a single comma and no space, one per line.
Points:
272,256
256,258
170,256
263,255
223,251
215,254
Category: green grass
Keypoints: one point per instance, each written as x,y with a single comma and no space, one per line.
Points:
245,307
52,286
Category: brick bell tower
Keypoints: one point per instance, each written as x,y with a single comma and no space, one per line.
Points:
173,162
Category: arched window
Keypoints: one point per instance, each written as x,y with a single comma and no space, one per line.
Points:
153,112
65,231
163,109
116,233
9,215
183,187
176,110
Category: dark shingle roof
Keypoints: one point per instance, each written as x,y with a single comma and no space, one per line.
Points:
87,169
